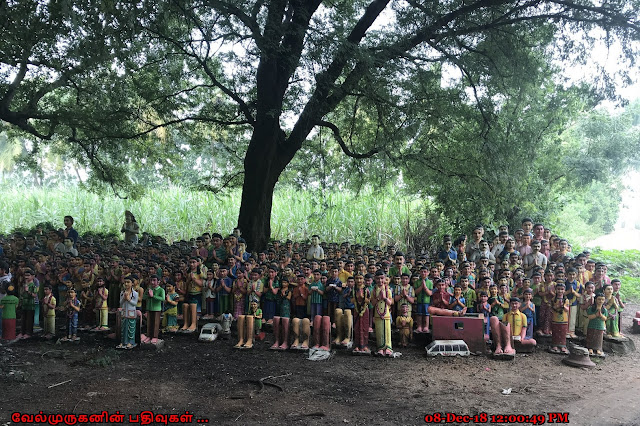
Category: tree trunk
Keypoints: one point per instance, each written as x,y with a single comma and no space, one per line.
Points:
263,164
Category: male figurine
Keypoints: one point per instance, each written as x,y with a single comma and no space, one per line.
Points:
517,321
49,313
154,296
404,323
315,251
27,303
101,307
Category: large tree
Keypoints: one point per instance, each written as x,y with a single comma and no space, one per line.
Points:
104,80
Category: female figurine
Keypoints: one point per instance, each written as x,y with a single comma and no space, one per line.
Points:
597,315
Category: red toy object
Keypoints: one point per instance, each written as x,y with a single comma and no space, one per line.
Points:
636,323
467,328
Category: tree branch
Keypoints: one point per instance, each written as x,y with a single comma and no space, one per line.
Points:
345,148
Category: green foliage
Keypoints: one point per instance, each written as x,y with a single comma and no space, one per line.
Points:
178,213
625,265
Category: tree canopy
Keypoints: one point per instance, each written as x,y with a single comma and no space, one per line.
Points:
446,93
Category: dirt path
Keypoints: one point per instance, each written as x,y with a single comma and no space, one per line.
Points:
209,381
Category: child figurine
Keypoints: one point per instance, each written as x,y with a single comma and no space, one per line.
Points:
546,291
404,323
256,313
519,323
334,293
87,298
128,302
502,329
404,293
361,299
344,313
239,292
616,284
316,291
611,304
469,294
597,315
587,299
27,303
529,309
423,292
559,320
101,308
224,288
457,301
246,324
154,297
170,313
573,292
281,321
72,308
485,309
382,300
49,313
210,296
9,303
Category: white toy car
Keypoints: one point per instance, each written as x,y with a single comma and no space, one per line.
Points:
448,348
209,332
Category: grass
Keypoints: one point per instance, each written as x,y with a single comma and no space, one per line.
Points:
176,213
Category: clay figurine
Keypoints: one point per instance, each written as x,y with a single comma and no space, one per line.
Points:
9,303
361,299
343,315
246,325
49,313
27,304
597,315
72,308
281,321
128,302
382,301
154,296
612,306
170,314
101,308
404,323
559,320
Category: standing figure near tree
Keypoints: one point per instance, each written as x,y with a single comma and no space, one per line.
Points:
130,228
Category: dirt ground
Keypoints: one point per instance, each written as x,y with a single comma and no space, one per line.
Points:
213,381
